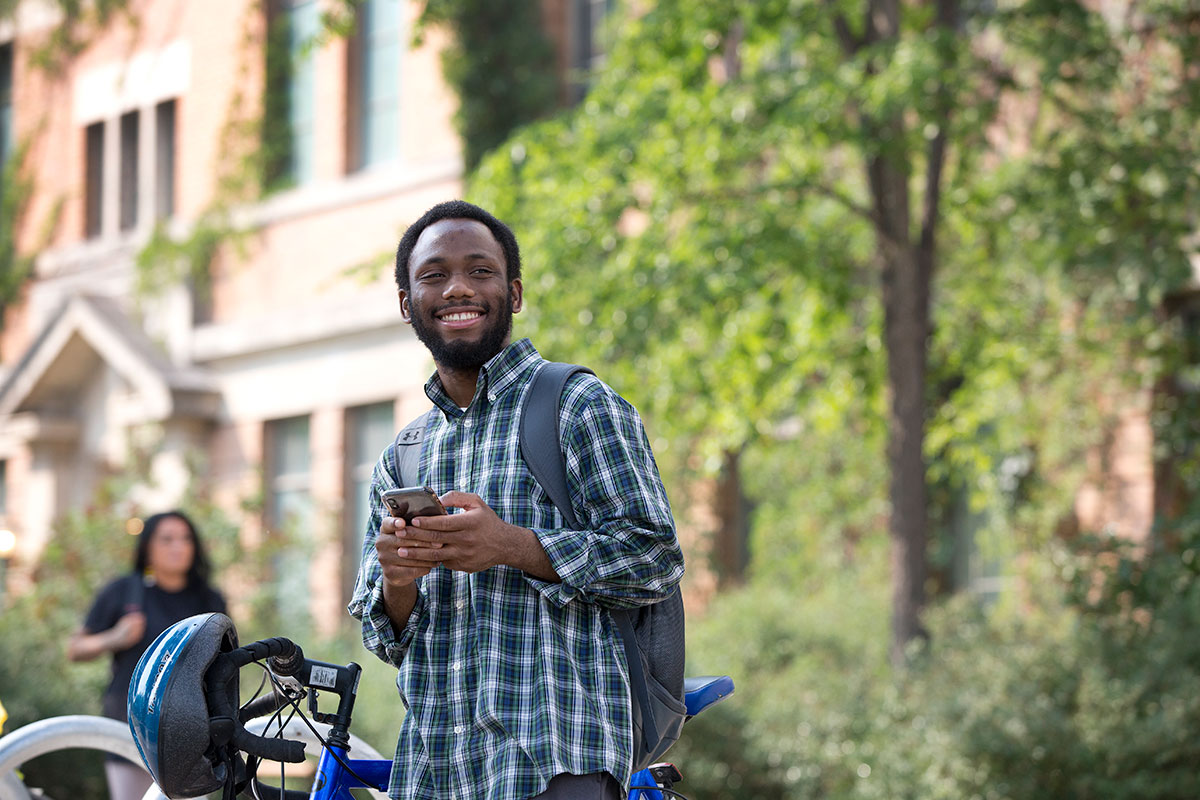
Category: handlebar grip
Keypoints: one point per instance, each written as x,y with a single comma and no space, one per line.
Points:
277,648
262,706
286,750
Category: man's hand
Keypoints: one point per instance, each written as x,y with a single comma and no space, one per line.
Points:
473,541
393,547
400,572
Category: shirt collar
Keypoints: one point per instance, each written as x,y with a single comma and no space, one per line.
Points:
500,374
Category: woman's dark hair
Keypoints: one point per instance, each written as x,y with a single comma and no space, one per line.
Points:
198,573
457,209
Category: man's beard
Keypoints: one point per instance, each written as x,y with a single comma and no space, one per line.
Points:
457,354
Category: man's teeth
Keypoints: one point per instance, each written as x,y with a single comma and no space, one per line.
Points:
462,316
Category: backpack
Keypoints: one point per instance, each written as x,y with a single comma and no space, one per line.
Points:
652,635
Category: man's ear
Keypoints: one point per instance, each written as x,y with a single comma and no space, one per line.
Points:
405,309
516,294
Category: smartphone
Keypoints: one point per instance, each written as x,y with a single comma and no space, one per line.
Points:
413,501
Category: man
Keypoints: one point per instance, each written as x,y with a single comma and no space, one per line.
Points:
510,665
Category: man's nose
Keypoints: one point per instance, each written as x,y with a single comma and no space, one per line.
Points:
458,286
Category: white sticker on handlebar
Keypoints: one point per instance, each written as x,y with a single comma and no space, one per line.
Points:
325,677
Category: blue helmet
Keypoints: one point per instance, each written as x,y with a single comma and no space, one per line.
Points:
168,710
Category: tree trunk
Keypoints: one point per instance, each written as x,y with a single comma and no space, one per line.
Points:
730,552
907,274
906,332
906,315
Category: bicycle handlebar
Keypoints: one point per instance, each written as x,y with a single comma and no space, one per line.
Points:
263,706
226,722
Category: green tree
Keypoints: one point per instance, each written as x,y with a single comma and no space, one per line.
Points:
501,65
747,219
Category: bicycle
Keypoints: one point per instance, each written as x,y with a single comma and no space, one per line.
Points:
88,732
293,678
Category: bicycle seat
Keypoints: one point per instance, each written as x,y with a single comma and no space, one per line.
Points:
702,692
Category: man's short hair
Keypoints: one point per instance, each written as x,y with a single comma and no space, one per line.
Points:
457,209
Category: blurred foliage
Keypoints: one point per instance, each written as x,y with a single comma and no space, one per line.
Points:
87,550
699,231
500,64
36,681
15,188
1080,683
78,21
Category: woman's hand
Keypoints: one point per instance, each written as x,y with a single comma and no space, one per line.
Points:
128,631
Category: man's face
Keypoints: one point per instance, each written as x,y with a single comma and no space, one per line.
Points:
460,301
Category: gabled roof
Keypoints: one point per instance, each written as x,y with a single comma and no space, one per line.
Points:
87,331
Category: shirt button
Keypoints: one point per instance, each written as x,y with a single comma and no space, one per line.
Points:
457,666
458,729
492,397
467,423
459,604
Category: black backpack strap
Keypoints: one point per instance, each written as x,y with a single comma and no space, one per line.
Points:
134,593
541,440
406,451
541,447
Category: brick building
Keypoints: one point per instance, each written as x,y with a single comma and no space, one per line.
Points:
291,369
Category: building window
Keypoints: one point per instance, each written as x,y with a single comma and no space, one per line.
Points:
288,470
374,91
129,170
6,102
369,429
289,132
587,42
289,514
94,180
164,159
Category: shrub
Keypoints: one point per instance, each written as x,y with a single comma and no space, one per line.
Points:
1090,689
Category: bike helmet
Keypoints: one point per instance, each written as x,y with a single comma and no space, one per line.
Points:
168,710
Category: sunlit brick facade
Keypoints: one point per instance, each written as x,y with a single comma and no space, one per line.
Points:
287,376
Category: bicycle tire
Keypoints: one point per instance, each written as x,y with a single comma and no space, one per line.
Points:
73,731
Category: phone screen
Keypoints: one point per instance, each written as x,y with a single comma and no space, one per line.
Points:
413,501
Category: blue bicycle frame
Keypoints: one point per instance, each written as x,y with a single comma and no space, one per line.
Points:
334,782
337,773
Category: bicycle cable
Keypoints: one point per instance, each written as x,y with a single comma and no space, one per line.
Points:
278,720
297,711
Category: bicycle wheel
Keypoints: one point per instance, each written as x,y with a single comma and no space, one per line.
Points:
75,731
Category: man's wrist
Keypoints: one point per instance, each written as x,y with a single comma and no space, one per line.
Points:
529,556
398,602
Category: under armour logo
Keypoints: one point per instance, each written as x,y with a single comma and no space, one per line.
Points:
410,435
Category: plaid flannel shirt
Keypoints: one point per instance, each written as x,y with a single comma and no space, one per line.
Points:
509,680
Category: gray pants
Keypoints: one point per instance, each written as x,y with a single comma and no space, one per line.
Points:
126,781
593,786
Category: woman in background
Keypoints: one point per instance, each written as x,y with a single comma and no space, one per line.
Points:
170,582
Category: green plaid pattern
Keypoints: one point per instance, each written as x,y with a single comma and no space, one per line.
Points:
509,680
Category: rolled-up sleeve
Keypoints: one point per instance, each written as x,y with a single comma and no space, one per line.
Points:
379,635
628,553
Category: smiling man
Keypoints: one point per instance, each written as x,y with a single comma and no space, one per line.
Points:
496,616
